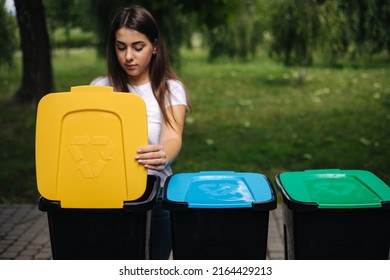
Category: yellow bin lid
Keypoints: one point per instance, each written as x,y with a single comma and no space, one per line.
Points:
86,141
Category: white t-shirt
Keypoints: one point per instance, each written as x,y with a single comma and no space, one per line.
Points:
154,115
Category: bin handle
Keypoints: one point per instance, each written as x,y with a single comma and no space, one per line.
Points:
90,89
322,170
219,172
144,203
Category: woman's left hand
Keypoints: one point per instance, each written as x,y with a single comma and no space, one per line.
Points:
152,157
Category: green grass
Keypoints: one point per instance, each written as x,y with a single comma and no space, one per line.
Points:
250,116
255,117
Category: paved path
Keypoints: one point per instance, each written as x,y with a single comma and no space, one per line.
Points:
24,233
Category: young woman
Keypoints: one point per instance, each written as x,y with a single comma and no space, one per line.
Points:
138,63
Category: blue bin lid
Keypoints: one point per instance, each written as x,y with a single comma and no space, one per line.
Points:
219,189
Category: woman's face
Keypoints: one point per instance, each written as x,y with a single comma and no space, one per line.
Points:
134,52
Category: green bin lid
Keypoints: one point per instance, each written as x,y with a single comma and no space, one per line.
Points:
334,188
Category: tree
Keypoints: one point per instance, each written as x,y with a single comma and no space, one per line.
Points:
336,34
37,79
239,34
61,14
379,25
295,29
7,36
369,21
354,29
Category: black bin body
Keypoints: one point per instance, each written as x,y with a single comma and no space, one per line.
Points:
219,215
101,233
336,234
219,234
355,226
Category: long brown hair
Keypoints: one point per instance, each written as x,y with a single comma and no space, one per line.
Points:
160,70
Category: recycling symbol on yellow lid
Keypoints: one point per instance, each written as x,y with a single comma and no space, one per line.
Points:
104,147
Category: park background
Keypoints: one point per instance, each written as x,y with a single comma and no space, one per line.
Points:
275,86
